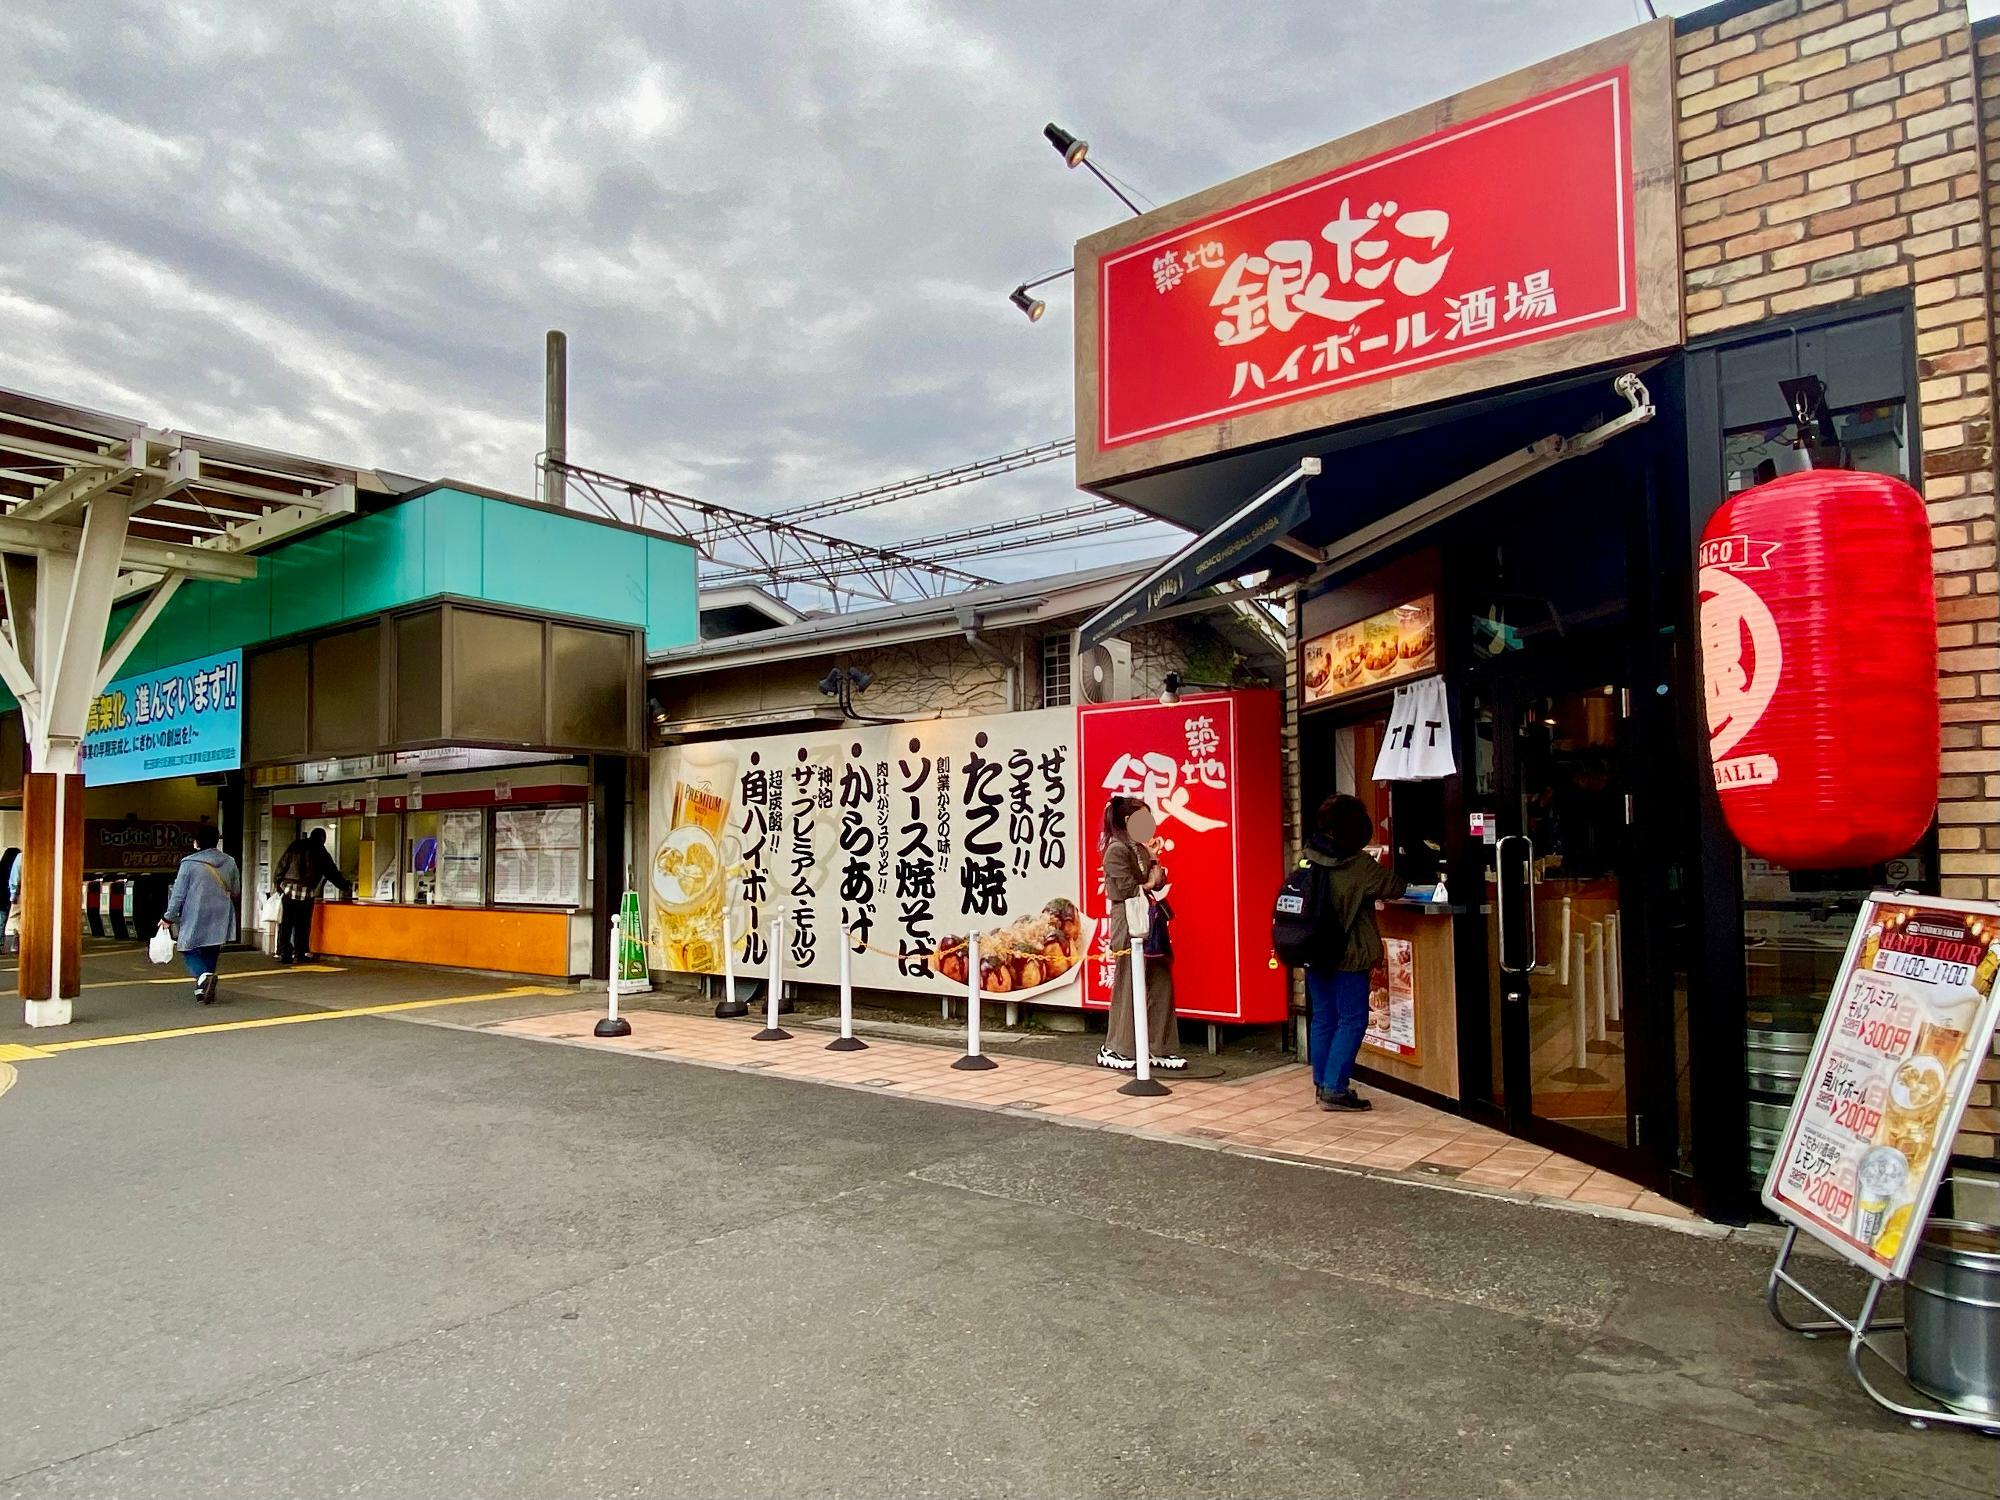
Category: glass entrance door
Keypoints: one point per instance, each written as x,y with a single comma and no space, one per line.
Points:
1553,785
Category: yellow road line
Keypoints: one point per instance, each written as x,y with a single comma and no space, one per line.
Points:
318,1015
17,1052
231,974
7,1077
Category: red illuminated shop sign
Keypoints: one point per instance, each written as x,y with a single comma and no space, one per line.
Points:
1507,230
1208,767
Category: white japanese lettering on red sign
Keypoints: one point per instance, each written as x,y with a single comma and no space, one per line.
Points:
1501,231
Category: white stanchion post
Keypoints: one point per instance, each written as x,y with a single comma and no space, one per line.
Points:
730,1006
1614,966
1597,991
1562,951
1579,1020
1143,1083
974,1060
613,1024
772,1031
847,1041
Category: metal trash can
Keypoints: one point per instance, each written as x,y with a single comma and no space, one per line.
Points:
1951,1310
1776,1049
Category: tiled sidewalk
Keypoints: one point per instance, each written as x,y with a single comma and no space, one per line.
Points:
1270,1114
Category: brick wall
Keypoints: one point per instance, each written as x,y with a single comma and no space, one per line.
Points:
1831,149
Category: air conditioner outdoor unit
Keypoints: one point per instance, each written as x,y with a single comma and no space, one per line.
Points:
1103,674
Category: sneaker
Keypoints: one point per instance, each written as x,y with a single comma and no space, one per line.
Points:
1348,1101
204,989
1170,1062
1118,1061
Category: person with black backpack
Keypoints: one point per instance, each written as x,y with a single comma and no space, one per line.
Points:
1325,924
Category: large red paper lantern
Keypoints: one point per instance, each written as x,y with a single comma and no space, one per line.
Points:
1819,659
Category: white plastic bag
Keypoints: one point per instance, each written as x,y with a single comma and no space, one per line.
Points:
161,949
272,911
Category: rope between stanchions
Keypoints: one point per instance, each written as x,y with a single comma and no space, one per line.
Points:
658,950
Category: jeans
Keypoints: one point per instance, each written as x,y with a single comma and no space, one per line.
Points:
295,930
202,961
1339,1003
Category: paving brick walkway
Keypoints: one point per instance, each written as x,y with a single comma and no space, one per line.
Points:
1270,1114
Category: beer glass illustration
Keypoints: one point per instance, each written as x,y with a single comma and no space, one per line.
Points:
691,868
1883,1172
1916,1099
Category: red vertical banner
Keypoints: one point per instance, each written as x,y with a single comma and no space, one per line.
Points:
1208,767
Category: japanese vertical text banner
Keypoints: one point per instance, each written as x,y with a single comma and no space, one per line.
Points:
1898,1053
913,834
178,721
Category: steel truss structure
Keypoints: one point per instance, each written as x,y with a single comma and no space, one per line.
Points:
780,555
780,552
938,479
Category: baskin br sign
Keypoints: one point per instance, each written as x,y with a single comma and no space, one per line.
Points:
1526,227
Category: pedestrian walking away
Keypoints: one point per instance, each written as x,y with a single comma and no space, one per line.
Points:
201,911
303,871
10,881
1346,947
1132,869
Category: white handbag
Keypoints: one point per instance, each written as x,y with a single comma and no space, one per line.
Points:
161,949
272,911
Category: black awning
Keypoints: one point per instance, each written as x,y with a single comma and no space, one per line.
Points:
1253,528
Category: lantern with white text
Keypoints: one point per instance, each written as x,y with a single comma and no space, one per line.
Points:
1819,661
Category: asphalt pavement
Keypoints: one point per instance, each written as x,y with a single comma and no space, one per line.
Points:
362,1256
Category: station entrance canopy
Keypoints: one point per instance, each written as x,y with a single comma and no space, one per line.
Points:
97,509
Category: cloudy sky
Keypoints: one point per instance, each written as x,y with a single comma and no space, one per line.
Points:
780,235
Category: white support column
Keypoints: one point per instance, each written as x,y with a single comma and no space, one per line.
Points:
136,628
73,594
78,642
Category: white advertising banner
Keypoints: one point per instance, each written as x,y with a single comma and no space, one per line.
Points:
912,834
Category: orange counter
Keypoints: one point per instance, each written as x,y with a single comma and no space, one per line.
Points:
515,942
1436,996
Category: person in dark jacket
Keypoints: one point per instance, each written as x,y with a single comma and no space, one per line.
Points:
303,871
1348,947
201,912
1130,870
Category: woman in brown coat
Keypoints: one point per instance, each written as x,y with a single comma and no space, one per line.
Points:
1129,870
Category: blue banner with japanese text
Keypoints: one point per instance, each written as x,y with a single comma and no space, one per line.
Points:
176,721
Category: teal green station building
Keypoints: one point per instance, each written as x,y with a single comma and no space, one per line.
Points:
450,681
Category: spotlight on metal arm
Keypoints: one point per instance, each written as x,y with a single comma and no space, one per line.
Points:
842,683
1076,153
1034,307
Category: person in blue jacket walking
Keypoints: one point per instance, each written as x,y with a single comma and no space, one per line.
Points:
201,911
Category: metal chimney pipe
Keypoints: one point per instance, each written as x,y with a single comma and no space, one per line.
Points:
555,419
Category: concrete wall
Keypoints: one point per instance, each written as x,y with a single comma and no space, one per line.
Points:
945,678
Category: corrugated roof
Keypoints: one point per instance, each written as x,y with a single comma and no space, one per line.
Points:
995,605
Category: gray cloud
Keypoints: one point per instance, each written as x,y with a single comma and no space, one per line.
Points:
780,236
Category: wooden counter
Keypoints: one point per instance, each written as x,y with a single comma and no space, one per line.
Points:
512,941
1428,931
